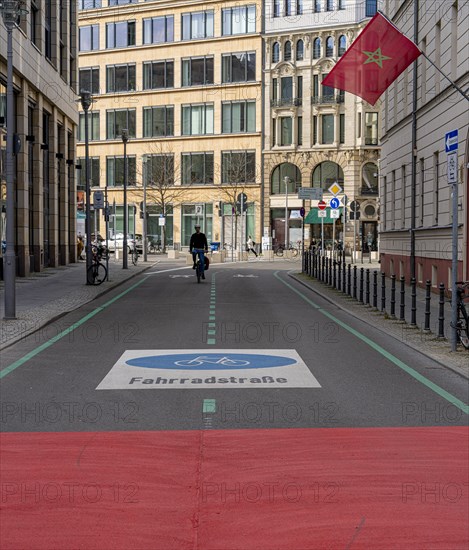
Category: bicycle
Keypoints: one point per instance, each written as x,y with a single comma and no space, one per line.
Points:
198,271
133,254
97,271
279,250
155,247
462,325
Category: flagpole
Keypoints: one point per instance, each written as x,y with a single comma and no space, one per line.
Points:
427,58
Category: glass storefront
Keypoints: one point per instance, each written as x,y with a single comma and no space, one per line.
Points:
192,214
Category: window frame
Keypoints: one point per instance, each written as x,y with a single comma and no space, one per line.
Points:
205,112
190,60
246,68
168,124
129,111
166,63
190,15
93,89
131,170
246,17
114,25
207,173
246,152
167,18
120,65
244,113
94,37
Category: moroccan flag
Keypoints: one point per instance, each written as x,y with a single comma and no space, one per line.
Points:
373,61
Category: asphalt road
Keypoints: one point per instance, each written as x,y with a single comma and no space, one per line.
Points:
248,371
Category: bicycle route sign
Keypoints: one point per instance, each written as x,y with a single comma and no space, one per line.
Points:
195,369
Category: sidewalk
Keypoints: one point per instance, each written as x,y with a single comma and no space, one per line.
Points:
48,295
427,343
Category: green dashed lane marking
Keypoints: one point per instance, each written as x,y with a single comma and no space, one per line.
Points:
209,406
412,372
211,317
68,330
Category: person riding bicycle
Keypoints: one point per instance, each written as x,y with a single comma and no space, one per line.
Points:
198,245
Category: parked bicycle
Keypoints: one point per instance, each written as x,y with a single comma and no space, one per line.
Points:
280,249
462,325
97,271
133,253
155,247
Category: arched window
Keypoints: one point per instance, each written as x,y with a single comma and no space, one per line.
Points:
342,45
287,51
317,48
370,179
326,173
329,46
300,50
275,52
277,181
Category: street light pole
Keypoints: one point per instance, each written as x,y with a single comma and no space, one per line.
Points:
286,179
86,100
145,176
125,139
11,10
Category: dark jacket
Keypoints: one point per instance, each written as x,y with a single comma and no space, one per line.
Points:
198,240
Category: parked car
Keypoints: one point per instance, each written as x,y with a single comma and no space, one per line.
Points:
117,242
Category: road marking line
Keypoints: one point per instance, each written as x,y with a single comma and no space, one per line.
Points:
68,330
422,379
209,406
211,312
166,270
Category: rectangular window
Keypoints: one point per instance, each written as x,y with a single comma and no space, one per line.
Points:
238,167
371,8
238,20
94,172
158,29
315,129
299,7
197,25
158,121
299,90
158,74
118,120
120,78
239,67
315,88
115,171
93,126
274,132
327,122
359,123
197,119
121,2
238,116
317,6
327,92
276,8
341,128
403,195
422,190
286,89
286,125
89,4
300,130
329,5
120,35
197,71
274,89
288,7
89,80
89,38
48,29
34,21
197,168
371,128
436,188
159,169
341,5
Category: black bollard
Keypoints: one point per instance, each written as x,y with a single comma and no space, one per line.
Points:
367,288
375,289
355,282
402,305
428,294
339,275
323,263
362,273
413,309
383,291
441,316
344,281
349,280
393,296
334,275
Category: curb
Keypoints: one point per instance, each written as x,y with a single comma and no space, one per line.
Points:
47,322
363,320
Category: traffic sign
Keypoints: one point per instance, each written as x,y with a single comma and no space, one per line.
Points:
451,141
322,205
335,214
452,160
98,200
334,203
335,189
322,214
310,193
302,212
355,206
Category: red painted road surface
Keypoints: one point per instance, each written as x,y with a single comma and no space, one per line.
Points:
297,489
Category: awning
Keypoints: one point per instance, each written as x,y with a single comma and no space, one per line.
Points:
313,217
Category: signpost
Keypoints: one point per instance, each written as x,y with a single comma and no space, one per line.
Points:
322,214
355,210
451,148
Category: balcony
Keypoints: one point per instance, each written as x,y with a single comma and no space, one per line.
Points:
286,102
371,141
327,99
365,190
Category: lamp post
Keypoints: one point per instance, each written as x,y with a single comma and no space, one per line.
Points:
86,101
125,139
286,179
11,11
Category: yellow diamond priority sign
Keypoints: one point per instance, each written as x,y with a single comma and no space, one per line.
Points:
335,189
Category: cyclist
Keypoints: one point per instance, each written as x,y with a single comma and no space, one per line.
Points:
198,245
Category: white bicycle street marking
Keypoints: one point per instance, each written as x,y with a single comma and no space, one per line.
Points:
201,360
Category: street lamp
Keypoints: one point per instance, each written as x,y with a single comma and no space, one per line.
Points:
286,179
11,11
125,139
86,101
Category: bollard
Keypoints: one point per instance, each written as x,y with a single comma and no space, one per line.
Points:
349,280
413,308
339,275
330,272
428,294
344,281
334,276
393,296
323,265
441,316
402,305
367,288
362,272
355,282
375,289
383,291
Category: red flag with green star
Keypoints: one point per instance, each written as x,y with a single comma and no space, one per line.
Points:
373,61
